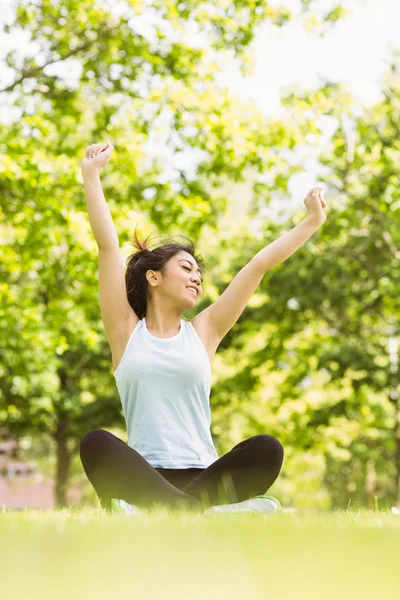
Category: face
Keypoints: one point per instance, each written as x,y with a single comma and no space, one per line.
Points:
182,272
188,273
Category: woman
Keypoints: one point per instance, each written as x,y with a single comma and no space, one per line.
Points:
162,368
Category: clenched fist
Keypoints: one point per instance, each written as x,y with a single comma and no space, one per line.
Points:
315,203
97,156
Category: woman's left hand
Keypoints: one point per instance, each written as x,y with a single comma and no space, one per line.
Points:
315,204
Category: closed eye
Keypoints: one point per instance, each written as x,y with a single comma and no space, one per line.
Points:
189,269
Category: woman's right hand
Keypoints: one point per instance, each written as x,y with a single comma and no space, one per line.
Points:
97,156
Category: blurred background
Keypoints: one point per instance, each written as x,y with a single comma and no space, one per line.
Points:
223,116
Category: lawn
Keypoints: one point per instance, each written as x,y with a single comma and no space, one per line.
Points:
74,554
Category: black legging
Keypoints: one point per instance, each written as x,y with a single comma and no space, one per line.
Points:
118,471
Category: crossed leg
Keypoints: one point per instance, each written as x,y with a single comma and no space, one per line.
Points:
117,471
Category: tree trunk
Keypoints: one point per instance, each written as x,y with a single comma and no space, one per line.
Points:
397,458
63,463
370,484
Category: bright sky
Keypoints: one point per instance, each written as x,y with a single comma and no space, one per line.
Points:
356,51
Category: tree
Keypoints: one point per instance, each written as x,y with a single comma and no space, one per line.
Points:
311,354
92,76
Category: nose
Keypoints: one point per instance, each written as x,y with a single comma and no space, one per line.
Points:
196,280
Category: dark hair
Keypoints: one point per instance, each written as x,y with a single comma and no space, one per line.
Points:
138,263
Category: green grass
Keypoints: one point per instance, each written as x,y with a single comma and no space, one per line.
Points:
74,554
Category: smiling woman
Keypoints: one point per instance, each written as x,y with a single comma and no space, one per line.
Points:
140,284
162,368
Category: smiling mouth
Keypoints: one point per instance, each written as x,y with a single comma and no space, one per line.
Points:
193,292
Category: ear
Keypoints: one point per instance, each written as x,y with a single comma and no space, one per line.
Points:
151,277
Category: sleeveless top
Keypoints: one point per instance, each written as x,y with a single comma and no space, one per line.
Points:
164,385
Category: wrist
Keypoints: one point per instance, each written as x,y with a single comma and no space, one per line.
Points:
316,220
89,170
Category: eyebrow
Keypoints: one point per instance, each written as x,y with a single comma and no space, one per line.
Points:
189,261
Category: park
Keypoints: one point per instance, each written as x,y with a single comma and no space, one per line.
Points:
199,299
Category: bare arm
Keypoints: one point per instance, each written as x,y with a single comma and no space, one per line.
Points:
219,317
279,250
116,311
99,214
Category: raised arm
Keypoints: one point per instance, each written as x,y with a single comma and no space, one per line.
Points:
218,318
279,250
118,316
97,156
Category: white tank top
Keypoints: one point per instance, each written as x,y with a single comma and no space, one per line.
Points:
164,385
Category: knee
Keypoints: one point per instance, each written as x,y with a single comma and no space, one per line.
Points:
92,440
270,449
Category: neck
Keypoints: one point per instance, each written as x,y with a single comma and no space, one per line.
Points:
163,325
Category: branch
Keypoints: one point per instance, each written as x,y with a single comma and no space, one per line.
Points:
393,248
33,71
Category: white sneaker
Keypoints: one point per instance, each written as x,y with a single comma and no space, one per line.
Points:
258,504
119,505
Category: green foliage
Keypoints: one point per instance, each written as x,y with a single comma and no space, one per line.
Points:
93,76
312,364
